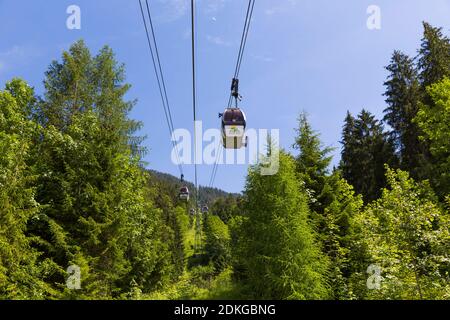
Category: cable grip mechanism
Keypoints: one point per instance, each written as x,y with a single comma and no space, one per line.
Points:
235,90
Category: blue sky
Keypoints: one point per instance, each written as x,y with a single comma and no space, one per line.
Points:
312,55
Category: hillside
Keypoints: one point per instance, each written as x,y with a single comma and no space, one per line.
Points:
206,195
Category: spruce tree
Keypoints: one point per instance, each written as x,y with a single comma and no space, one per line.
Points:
434,56
276,247
21,268
434,66
226,207
96,213
312,161
403,97
217,242
434,122
336,234
365,151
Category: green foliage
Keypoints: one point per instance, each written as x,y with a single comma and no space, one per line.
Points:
276,246
171,185
434,121
20,268
312,162
407,236
96,211
366,149
73,192
403,95
200,284
336,234
226,207
217,246
434,56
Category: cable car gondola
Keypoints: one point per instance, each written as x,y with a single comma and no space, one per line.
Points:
234,122
205,209
184,193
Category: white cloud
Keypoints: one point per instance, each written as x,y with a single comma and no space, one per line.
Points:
9,55
218,41
213,6
15,51
172,10
262,58
281,8
16,55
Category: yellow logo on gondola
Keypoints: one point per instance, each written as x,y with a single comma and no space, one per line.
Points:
234,130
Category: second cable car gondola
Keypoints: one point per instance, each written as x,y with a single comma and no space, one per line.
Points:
184,193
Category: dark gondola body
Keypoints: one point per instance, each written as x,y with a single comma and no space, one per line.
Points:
234,123
184,194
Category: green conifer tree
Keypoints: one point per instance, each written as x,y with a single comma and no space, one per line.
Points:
434,122
96,213
21,267
366,149
403,96
276,247
312,162
434,56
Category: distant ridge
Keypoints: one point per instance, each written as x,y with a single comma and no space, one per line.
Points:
206,195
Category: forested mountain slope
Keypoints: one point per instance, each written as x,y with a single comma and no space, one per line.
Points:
206,195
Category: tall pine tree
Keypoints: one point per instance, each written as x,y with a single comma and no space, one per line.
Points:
312,161
434,56
403,96
96,213
276,246
365,151
434,122
21,268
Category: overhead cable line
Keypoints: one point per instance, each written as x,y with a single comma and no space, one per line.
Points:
194,97
194,90
198,228
245,31
214,172
160,77
159,64
251,5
